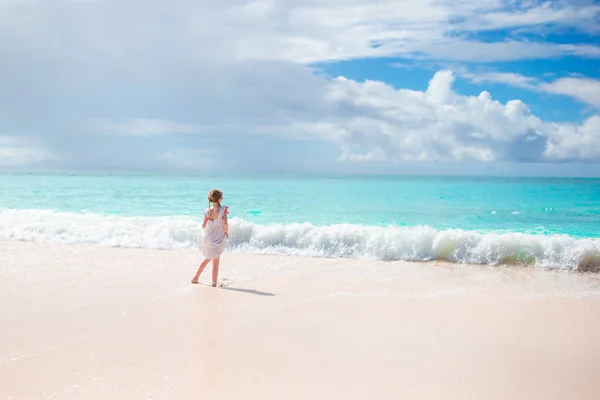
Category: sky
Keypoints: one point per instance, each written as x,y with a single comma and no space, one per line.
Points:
485,87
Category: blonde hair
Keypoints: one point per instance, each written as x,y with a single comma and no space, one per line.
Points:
214,196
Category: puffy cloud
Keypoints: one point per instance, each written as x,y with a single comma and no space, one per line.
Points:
574,142
437,124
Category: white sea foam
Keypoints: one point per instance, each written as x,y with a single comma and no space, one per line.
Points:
420,243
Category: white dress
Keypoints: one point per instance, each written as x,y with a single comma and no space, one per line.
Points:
213,241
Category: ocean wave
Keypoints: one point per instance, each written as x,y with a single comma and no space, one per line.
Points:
419,243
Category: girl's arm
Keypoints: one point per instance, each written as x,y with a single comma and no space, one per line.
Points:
205,220
225,224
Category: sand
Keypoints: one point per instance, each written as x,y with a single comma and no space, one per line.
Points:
91,322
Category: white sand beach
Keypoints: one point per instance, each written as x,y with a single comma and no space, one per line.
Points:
92,322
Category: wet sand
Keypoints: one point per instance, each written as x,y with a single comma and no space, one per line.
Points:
91,322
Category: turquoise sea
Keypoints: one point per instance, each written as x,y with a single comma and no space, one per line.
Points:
551,222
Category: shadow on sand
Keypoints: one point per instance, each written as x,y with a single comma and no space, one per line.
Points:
233,289
251,291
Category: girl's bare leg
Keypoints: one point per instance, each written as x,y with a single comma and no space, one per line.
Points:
202,266
215,273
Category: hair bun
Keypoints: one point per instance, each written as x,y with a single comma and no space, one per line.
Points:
215,195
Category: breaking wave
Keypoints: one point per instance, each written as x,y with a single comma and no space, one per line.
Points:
420,243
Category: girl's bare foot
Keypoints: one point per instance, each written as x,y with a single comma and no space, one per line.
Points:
214,284
194,281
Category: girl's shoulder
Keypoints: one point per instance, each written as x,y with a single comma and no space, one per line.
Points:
222,210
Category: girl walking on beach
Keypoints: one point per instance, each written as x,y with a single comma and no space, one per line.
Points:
216,232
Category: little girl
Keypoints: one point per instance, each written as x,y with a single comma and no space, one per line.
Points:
216,233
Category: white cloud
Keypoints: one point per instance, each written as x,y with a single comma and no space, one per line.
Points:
145,127
326,31
374,155
301,31
179,160
22,152
533,14
189,158
156,127
434,125
583,89
502,50
574,142
507,78
442,125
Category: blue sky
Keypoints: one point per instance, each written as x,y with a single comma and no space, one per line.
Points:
405,86
415,74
